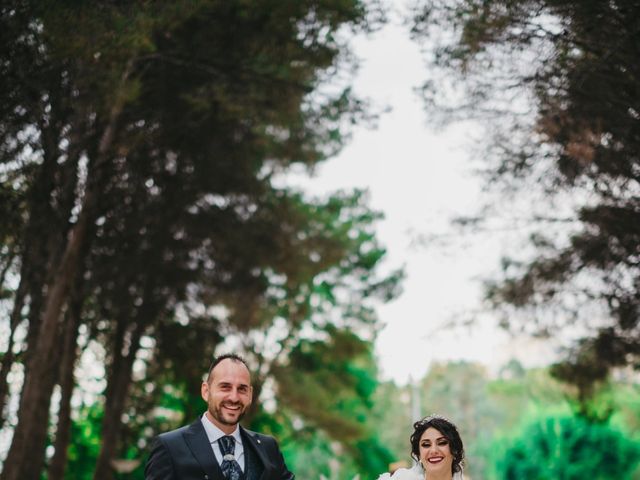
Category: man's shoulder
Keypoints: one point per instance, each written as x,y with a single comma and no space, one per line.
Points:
172,435
259,437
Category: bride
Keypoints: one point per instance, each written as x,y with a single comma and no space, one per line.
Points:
437,448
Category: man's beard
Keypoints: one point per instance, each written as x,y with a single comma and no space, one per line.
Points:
218,415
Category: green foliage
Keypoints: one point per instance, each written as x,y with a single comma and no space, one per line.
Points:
310,454
568,448
325,394
371,456
490,412
626,411
84,449
319,385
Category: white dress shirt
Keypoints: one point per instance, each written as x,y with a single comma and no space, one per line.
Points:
214,434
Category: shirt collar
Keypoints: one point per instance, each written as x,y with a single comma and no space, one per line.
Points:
214,433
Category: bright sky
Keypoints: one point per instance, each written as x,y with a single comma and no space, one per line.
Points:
420,178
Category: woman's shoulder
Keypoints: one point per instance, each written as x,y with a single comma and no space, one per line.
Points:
401,474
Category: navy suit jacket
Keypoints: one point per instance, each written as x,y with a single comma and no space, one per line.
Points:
186,454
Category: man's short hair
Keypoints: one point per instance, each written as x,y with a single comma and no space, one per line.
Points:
231,356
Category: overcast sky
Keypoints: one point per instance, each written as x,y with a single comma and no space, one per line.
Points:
421,178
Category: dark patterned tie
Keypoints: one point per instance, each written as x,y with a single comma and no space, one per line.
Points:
230,468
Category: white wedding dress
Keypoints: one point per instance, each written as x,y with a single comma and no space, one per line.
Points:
414,473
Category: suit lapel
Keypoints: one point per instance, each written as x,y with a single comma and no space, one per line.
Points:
254,444
198,442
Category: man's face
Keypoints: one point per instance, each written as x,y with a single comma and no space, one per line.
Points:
228,394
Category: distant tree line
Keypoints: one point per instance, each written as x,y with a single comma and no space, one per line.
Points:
519,423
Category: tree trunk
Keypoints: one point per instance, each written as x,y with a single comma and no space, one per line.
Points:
8,357
37,256
27,464
26,454
118,385
67,384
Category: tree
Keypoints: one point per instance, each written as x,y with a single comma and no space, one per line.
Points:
325,399
559,81
313,285
495,416
568,448
138,144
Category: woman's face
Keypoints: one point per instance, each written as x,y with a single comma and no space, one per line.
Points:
435,453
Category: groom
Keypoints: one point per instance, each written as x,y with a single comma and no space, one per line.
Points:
215,446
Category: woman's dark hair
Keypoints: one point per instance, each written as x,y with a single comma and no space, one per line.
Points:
447,429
